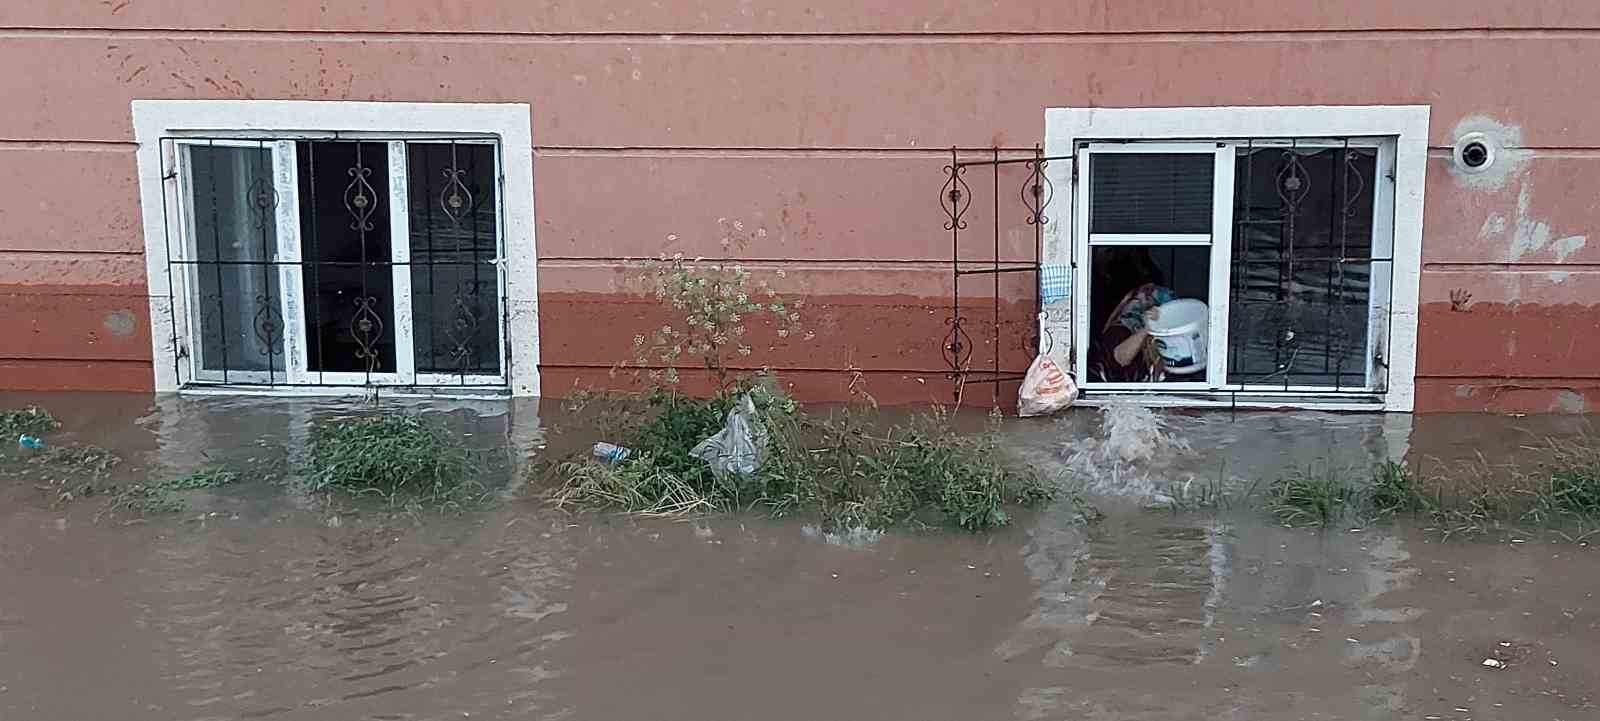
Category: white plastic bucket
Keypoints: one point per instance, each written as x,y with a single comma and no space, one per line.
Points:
1180,334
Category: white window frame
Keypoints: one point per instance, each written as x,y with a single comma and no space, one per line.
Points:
248,121
1221,227
1400,133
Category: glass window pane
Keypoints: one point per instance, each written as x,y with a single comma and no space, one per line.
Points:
1302,266
455,288
232,210
344,236
1150,192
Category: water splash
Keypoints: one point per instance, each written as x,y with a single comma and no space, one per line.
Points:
1133,456
857,537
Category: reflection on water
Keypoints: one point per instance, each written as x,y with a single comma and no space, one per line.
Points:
264,604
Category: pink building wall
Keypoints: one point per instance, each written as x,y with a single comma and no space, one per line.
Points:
825,124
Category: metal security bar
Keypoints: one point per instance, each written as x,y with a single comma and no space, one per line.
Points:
956,198
1311,267
336,261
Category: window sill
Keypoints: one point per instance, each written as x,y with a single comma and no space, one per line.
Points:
1334,402
313,391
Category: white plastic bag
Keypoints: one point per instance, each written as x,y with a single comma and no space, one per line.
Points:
740,446
1046,389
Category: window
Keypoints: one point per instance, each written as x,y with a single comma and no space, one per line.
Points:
1283,265
353,257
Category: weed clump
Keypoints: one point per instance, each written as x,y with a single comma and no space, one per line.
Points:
1396,489
1563,487
1569,486
165,496
1314,499
65,473
852,473
32,420
635,485
401,457
841,467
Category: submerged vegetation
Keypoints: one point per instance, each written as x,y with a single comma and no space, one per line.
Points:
64,473
842,467
404,458
1561,489
32,420
847,467
167,496
1311,499
401,457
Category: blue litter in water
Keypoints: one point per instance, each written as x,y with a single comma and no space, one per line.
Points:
32,442
611,453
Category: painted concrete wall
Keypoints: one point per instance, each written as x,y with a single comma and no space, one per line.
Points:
658,125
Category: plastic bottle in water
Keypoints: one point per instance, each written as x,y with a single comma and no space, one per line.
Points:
610,452
31,442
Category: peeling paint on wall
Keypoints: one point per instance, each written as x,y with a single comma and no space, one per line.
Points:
1530,234
1569,402
1569,245
120,323
1527,234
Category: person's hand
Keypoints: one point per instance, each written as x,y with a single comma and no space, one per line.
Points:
1152,315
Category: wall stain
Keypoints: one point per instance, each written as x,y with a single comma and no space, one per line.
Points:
1522,233
120,323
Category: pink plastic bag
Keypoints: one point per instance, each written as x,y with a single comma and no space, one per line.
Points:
1046,389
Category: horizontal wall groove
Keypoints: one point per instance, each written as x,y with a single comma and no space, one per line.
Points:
789,264
744,151
1512,266
691,38
1445,152
66,359
711,151
778,371
1508,380
85,146
693,151
74,254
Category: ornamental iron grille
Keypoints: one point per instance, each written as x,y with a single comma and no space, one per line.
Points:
336,261
1308,274
1310,269
987,339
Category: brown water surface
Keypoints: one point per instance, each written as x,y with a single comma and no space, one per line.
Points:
264,603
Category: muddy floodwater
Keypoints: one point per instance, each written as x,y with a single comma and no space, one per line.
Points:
259,603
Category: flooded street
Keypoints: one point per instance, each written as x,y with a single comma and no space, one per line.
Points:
261,603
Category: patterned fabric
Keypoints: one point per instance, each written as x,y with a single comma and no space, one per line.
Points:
1130,314
1055,282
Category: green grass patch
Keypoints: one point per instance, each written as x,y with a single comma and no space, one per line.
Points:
1558,487
846,467
402,457
1567,486
1396,489
1312,498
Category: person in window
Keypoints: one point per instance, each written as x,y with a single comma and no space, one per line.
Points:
1127,281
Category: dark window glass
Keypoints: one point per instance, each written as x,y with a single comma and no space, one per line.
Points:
1150,192
344,236
455,288
1302,266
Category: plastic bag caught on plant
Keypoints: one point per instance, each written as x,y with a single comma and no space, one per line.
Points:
740,446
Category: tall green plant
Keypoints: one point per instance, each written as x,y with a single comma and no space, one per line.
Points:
712,306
